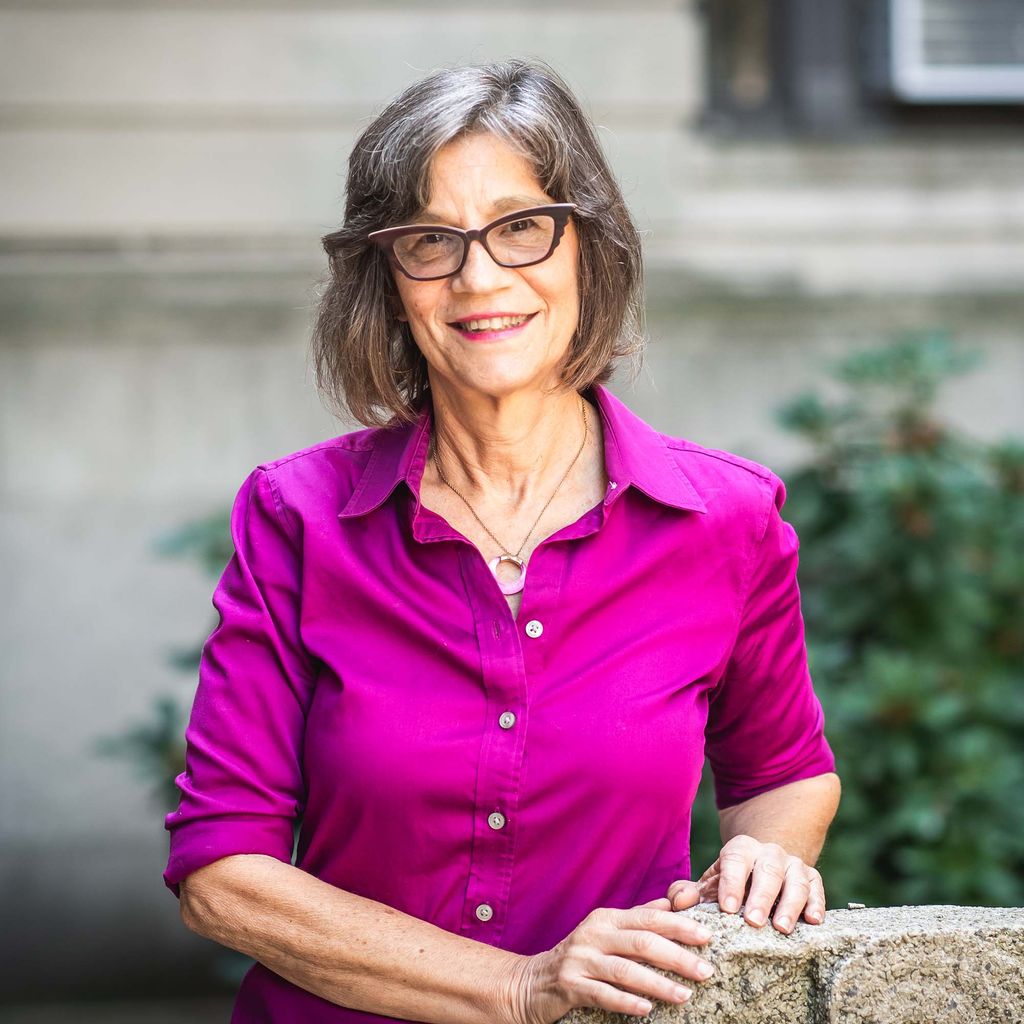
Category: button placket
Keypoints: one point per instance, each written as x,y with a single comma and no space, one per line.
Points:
503,679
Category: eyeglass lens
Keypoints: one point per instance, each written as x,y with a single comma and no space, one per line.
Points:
513,244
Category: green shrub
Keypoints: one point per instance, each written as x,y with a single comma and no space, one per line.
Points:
156,747
912,586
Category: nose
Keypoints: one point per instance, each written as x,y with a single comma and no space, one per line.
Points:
480,273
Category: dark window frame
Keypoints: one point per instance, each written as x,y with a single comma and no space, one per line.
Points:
823,72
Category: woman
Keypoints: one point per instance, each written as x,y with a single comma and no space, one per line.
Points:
482,650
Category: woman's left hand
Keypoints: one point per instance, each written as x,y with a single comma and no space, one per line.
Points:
771,873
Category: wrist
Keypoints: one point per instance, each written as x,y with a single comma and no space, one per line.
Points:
510,994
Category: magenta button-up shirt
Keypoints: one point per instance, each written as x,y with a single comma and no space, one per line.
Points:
498,777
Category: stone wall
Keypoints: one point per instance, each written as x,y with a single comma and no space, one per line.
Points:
890,965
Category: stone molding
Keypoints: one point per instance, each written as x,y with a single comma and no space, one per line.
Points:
886,965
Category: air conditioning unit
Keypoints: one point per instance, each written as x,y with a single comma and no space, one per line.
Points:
957,51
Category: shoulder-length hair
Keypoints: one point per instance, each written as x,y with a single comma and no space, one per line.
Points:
367,364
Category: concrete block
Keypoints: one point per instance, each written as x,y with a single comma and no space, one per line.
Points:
911,965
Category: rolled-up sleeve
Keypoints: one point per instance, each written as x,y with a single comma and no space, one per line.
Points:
242,788
765,724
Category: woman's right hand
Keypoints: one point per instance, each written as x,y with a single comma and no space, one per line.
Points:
596,965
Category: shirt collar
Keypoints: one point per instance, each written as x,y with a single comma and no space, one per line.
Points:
635,455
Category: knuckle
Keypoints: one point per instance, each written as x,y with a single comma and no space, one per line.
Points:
619,970
744,842
642,942
771,869
599,919
733,856
649,917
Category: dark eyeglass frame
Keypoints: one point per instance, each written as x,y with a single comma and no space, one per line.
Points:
386,237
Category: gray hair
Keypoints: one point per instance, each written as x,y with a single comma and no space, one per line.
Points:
367,363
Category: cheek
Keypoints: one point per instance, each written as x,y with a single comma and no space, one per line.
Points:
413,304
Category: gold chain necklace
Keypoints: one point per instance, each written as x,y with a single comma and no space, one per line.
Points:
516,585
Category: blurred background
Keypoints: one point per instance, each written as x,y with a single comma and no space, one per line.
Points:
832,200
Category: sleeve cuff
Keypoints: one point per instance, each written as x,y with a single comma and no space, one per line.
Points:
728,793
198,843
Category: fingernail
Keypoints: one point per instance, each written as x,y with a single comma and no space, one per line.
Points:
784,922
683,993
730,904
756,917
705,970
813,915
702,934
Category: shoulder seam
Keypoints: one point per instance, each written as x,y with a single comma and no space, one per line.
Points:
276,496
739,461
336,443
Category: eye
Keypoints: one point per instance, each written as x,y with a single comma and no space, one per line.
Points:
429,245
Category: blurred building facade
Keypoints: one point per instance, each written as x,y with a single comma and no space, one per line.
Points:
810,177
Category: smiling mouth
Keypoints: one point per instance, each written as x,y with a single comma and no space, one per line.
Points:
494,323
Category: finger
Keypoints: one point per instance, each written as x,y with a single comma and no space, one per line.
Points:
712,869
814,912
709,889
679,927
684,893
605,996
737,861
648,948
590,992
796,890
766,882
661,903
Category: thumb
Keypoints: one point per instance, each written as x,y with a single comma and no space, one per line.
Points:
683,894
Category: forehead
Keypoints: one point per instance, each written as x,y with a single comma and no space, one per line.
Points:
478,175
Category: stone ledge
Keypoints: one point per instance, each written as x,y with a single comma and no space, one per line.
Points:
889,965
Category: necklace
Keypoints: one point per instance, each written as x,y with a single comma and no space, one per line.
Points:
516,585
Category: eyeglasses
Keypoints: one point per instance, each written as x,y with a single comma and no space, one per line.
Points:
427,252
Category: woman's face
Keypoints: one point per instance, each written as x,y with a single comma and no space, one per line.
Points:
475,180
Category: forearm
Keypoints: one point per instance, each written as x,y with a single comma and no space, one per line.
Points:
796,816
345,948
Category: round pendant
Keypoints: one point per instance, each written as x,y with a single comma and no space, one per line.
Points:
514,586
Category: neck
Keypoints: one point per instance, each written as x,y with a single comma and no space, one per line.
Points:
512,449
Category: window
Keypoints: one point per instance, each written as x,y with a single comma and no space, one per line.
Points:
842,68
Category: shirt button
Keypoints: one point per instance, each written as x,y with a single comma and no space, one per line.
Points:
534,628
507,720
496,820
484,912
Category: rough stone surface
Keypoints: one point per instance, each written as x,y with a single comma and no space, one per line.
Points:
889,965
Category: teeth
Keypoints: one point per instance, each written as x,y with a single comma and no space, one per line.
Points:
494,323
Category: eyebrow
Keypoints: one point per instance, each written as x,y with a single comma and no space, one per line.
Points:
506,204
